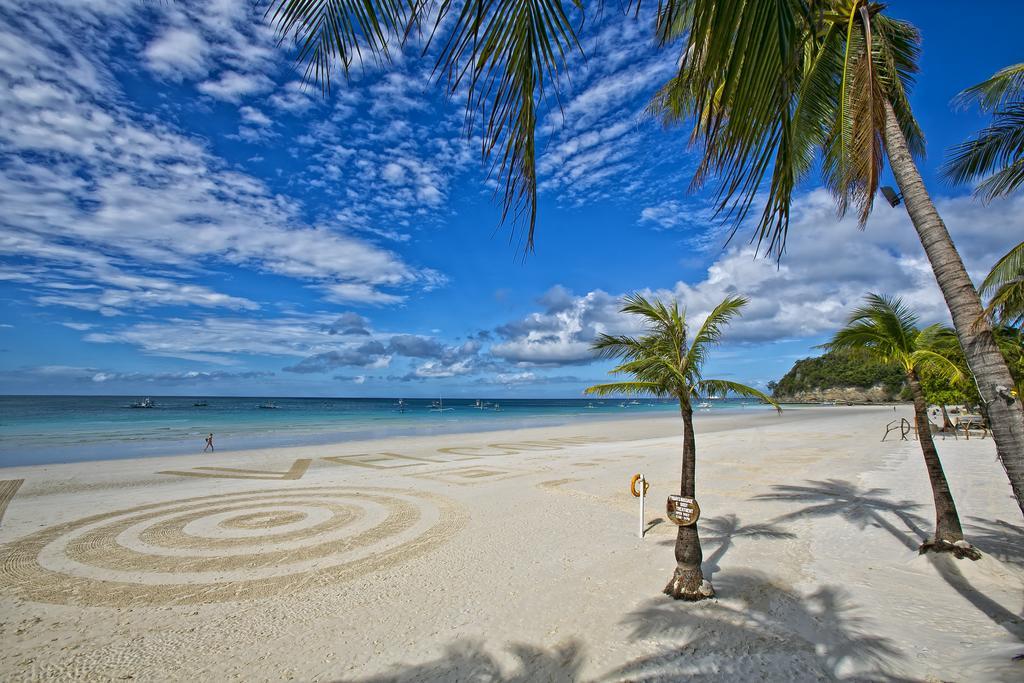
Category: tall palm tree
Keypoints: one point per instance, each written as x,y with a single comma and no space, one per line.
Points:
1005,284
998,149
887,330
665,363
771,87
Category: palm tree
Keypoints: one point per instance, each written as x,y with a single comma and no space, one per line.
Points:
665,363
773,88
997,149
887,330
1005,284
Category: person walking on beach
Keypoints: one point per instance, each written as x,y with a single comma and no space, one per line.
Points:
209,443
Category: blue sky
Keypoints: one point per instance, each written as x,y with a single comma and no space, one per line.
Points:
182,216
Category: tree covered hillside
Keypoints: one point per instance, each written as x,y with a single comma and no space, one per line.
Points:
811,378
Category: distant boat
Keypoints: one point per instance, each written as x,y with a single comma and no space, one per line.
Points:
144,403
704,405
269,405
438,407
496,408
400,405
622,405
591,405
200,404
634,403
480,405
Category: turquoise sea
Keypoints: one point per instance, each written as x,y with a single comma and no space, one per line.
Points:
50,429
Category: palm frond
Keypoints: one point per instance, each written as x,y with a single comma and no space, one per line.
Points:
998,148
1005,285
711,330
333,33
1003,87
628,388
721,387
505,52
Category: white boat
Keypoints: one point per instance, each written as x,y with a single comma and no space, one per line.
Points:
438,407
269,405
480,405
634,403
400,405
144,403
591,405
704,405
496,407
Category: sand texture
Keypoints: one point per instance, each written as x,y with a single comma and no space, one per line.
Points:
514,556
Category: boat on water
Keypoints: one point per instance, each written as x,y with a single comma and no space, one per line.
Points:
400,405
269,405
634,403
704,405
496,407
591,405
200,404
438,407
144,403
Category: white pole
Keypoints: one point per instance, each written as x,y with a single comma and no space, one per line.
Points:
643,485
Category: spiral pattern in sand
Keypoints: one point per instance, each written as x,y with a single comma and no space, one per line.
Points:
226,547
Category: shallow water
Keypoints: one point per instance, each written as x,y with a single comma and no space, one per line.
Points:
49,429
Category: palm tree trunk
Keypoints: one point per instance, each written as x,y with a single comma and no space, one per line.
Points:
947,522
688,581
973,330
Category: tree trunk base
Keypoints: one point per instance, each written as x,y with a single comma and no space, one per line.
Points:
689,585
960,549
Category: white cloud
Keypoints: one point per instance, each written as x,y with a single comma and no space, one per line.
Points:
176,53
233,86
828,267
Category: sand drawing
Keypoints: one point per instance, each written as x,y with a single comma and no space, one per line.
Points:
383,460
235,546
296,471
8,487
464,476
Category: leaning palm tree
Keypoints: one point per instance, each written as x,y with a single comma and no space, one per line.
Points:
665,363
887,330
776,90
997,151
1005,284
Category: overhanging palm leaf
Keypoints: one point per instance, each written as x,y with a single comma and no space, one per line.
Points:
998,149
1005,284
502,53
771,85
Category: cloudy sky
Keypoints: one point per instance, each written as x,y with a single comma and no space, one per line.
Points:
181,215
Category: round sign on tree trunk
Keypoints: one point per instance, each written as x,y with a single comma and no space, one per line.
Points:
682,510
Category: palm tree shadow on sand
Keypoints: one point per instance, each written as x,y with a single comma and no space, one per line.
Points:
861,507
762,631
865,507
468,660
720,532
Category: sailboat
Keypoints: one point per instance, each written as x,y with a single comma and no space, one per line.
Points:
438,406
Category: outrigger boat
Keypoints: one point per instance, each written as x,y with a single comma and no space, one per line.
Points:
144,403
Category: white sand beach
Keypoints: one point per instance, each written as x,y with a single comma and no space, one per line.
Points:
515,556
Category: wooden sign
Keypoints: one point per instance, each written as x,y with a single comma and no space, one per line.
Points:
683,511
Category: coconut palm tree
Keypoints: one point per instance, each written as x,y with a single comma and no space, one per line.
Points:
776,90
1005,284
665,363
771,87
997,149
887,330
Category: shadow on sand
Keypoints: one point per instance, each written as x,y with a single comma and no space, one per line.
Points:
719,533
762,631
861,507
468,660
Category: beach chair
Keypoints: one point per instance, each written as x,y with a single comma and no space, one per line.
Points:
967,422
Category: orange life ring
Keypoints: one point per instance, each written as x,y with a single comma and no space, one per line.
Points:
632,486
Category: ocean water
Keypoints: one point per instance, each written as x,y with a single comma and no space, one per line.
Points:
50,429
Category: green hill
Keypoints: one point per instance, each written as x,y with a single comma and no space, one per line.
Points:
839,375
